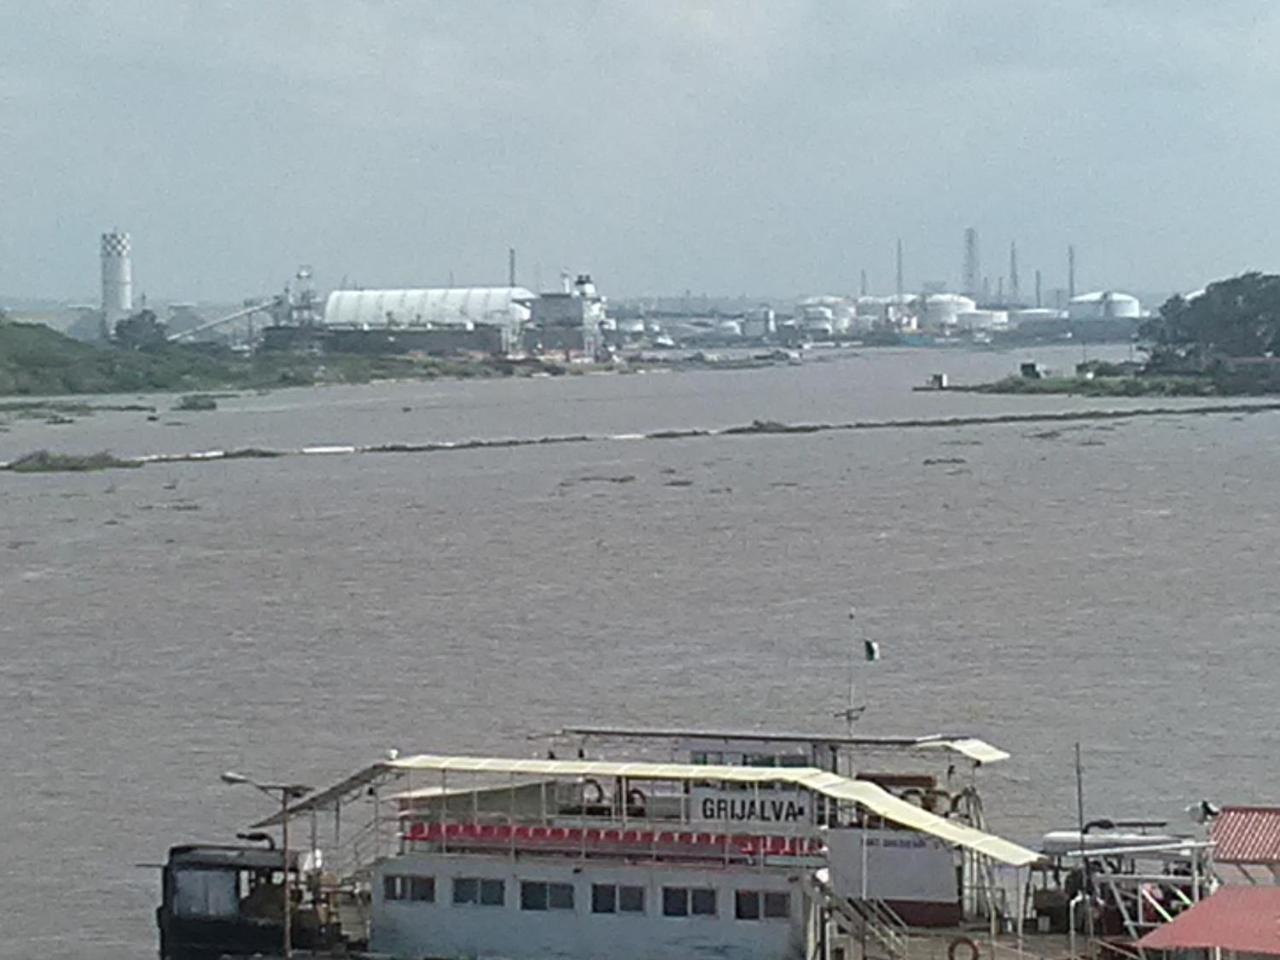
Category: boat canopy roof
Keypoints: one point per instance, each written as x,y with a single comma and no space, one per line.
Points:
979,751
867,795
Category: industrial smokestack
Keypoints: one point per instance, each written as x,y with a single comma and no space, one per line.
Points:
899,271
117,280
1071,272
511,266
863,287
1015,292
972,264
1038,302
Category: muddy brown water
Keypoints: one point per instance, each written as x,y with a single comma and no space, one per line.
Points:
1033,584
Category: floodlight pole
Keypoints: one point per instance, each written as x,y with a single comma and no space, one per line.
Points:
287,792
288,885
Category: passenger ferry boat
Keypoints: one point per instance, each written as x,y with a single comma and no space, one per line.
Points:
647,844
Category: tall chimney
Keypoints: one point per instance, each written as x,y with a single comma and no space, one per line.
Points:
972,264
511,266
1038,302
117,280
901,289
1071,272
1015,292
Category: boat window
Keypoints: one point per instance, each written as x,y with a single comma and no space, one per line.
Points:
609,898
422,889
604,898
205,893
486,893
393,888
761,905
560,896
537,895
631,899
777,906
688,902
702,902
675,902
746,905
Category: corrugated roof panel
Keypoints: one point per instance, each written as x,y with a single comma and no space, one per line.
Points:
1242,919
873,798
1247,835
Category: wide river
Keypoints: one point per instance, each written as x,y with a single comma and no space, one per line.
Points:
1032,583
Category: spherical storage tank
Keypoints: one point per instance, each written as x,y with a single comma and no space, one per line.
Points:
1104,305
944,309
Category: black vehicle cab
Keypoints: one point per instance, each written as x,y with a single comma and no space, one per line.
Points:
221,901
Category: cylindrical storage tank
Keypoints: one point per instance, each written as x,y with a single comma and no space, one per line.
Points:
982,319
117,277
942,309
1104,305
873,308
729,328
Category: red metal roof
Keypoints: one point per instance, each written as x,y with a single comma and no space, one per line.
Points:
1244,919
1246,835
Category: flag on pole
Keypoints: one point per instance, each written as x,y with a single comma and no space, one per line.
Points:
871,650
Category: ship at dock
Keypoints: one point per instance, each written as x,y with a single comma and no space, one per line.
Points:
643,844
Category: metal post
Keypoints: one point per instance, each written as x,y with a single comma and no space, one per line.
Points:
1088,879
864,910
288,886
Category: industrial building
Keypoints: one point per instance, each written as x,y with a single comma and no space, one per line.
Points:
572,319
485,319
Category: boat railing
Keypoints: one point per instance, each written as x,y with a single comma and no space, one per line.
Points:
590,842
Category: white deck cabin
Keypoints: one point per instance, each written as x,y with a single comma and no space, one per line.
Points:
490,857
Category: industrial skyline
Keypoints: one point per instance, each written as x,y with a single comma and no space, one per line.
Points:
667,145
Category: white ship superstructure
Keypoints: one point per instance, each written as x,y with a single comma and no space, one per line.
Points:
753,847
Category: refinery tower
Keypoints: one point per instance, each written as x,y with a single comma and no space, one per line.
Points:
117,280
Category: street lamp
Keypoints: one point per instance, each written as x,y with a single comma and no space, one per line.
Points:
286,792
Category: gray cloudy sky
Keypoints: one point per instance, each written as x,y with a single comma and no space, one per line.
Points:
729,147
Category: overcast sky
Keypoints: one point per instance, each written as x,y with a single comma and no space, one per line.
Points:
728,147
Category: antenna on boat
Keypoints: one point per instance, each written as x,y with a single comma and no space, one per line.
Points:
852,712
1084,853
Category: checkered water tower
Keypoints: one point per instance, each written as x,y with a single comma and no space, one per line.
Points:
117,278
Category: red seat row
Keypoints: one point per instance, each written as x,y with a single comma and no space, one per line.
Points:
592,837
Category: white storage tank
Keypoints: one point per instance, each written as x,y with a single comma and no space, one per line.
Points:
1104,305
941,310
827,314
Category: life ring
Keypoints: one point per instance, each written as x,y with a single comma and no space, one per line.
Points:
595,786
913,795
636,797
962,942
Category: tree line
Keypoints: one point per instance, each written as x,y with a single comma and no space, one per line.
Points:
1237,317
